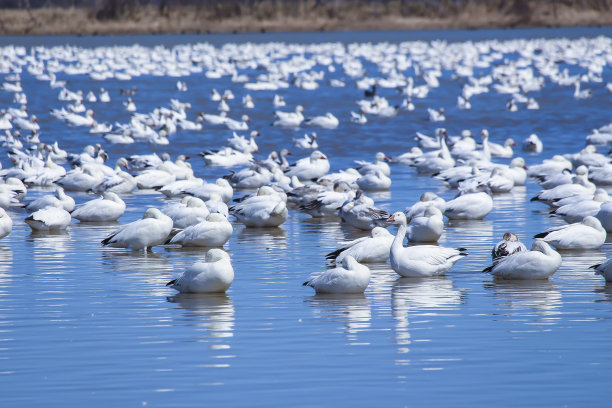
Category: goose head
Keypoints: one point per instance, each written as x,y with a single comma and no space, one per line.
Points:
398,218
216,254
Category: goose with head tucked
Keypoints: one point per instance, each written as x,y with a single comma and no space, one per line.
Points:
121,182
214,275
205,191
374,248
427,227
151,230
587,234
350,277
379,163
509,245
541,262
532,144
307,142
267,209
105,209
575,212
329,202
6,224
580,185
189,211
214,231
362,214
419,260
427,199
470,205
374,180
289,119
53,218
327,121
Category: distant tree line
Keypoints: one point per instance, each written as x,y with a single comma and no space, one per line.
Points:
112,9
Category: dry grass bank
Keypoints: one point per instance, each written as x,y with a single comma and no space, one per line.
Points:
308,15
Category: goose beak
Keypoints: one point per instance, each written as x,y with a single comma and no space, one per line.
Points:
391,218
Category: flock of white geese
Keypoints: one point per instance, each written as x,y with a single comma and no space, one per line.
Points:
571,184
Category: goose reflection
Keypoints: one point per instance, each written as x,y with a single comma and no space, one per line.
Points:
575,265
213,312
605,290
412,295
527,297
6,263
353,310
325,229
50,248
470,232
266,237
137,261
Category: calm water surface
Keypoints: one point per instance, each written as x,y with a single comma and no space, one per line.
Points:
82,325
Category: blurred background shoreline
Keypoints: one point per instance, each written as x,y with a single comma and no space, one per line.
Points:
98,17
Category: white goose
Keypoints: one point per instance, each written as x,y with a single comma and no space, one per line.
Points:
375,180
532,144
419,260
214,231
427,199
427,227
351,277
470,205
205,191
361,213
575,212
504,150
120,182
306,142
310,168
604,269
266,209
509,245
67,202
327,121
289,119
243,144
53,218
6,224
108,208
153,229
177,188
374,248
190,211
538,263
587,234
379,163
214,275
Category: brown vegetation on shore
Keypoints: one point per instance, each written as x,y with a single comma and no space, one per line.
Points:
115,17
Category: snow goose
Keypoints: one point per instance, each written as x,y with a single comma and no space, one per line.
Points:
67,202
427,199
517,171
427,227
430,142
361,213
441,160
359,118
419,260
108,208
180,168
205,191
351,277
575,212
6,224
289,119
53,218
278,101
214,231
605,215
538,263
215,204
604,269
470,205
144,161
587,234
327,121
306,142
580,185
311,168
152,229
226,157
552,166
249,178
214,275
498,182
266,209
509,245
241,143
596,138
436,115
80,179
120,182
154,178
329,202
177,188
374,248
190,211
532,144
379,163
374,180
241,124
408,157
498,150
213,119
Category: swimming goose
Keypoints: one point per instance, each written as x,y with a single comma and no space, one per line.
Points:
575,212
408,157
226,157
580,185
266,209
67,202
374,180
306,142
436,115
538,263
427,199
509,245
532,144
351,277
310,168
241,144
154,178
53,218
587,234
80,179
105,209
419,260
205,191
120,182
498,150
430,142
329,202
374,248
189,211
214,231
214,275
152,229
241,124
289,119
327,121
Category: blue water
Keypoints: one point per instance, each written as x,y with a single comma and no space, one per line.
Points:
83,325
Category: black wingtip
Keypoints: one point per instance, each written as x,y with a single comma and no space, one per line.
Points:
461,249
488,269
534,198
172,282
541,235
594,266
305,283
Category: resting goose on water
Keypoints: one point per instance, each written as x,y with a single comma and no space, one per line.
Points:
538,263
351,277
151,230
214,275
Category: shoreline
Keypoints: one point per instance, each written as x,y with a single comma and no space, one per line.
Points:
194,20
